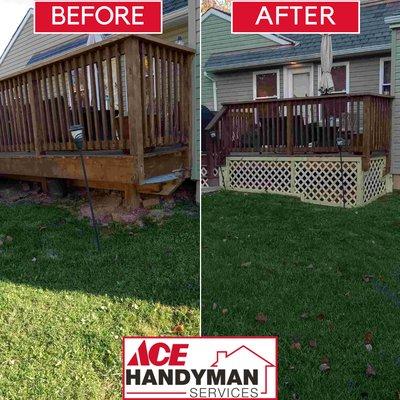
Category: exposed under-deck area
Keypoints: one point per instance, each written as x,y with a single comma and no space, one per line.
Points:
133,96
332,150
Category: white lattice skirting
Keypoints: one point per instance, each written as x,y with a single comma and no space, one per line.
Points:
313,179
204,176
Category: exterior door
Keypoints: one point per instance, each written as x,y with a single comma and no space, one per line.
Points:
299,82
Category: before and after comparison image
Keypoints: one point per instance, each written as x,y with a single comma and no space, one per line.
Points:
200,199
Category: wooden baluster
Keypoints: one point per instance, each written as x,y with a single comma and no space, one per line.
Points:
151,95
171,96
146,78
367,134
3,120
65,112
164,75
14,110
3,133
27,112
86,100
290,130
75,64
23,112
158,94
120,96
95,104
134,98
9,118
42,114
34,97
64,127
53,107
176,98
110,84
102,94
21,116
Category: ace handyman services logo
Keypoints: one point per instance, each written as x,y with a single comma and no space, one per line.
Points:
200,368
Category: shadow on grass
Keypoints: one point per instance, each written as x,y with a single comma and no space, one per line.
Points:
51,249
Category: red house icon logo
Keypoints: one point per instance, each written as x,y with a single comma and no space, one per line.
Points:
246,358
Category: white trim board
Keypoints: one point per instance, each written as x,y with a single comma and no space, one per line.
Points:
16,34
227,17
381,63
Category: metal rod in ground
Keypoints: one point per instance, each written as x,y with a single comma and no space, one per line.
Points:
94,222
342,178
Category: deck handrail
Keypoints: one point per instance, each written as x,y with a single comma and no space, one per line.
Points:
303,125
131,92
98,45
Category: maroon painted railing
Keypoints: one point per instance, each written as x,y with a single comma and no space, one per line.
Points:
301,126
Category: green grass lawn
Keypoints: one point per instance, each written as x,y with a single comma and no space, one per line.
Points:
64,307
318,274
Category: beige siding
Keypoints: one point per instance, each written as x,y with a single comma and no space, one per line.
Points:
28,44
172,34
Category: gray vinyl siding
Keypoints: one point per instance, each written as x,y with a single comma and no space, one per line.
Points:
28,44
395,150
238,86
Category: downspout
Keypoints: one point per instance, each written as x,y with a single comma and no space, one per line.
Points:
214,83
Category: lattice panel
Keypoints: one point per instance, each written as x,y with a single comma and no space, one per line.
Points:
205,183
272,176
374,180
320,181
204,177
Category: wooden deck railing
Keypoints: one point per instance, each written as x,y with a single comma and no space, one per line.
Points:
302,125
131,93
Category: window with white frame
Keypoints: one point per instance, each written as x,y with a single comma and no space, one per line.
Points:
340,76
266,84
385,75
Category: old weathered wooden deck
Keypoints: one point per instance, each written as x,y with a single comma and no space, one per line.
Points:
133,96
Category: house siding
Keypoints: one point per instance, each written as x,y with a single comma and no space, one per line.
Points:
238,86
27,44
395,150
216,38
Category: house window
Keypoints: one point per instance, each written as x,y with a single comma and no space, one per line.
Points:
340,76
266,84
385,75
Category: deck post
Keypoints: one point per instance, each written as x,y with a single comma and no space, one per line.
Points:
36,126
135,105
366,154
289,132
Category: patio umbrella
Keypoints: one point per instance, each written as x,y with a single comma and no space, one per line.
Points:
326,85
